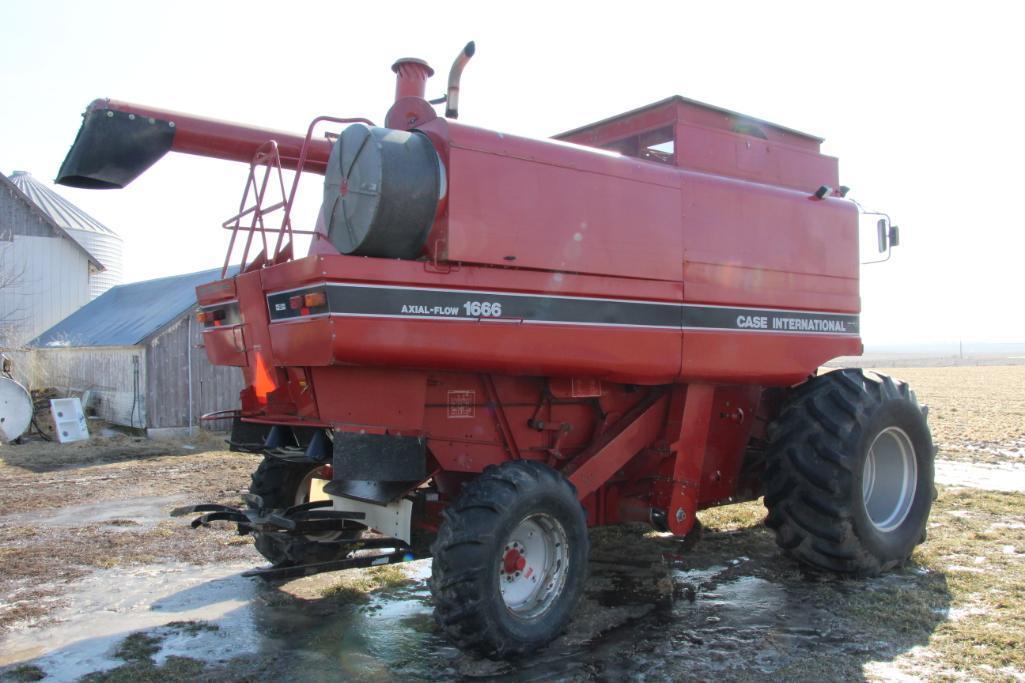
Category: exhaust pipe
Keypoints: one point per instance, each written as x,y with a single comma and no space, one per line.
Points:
454,75
118,141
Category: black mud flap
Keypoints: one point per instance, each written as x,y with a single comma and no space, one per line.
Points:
248,437
379,457
376,468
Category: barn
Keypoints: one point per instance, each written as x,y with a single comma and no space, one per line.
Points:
139,352
54,258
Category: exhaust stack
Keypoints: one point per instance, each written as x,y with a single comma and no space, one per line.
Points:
411,76
454,76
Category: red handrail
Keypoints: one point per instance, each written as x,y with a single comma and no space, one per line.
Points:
269,156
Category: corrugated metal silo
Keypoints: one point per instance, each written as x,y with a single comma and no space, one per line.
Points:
101,242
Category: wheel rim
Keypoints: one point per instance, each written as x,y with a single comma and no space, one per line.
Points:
302,495
889,479
302,492
533,567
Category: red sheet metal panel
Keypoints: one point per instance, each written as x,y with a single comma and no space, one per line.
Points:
545,205
616,354
371,398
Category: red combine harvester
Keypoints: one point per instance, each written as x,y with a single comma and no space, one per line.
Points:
496,342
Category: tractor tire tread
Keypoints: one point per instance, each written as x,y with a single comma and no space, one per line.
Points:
811,465
276,482
466,533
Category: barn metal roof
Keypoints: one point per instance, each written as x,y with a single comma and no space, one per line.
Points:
127,315
63,212
47,218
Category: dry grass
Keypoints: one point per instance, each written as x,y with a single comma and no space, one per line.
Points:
973,411
138,649
101,471
977,539
23,674
733,517
356,585
962,594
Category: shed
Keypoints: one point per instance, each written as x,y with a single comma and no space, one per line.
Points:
138,349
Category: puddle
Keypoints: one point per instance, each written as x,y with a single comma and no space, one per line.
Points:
1003,477
646,618
388,633
697,577
631,626
106,605
135,513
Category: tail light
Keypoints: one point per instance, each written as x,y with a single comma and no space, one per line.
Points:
310,302
315,299
214,317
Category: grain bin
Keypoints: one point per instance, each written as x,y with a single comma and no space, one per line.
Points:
101,242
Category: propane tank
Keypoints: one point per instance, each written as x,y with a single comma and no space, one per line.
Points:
15,409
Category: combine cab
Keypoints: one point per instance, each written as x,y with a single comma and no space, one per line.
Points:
496,342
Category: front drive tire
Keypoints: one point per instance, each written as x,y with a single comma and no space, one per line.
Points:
282,484
849,475
510,560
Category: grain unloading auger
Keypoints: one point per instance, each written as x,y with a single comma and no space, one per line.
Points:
498,341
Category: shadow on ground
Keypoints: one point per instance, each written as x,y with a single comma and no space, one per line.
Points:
730,608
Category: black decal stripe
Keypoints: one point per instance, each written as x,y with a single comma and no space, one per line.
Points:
767,320
280,307
445,304
448,304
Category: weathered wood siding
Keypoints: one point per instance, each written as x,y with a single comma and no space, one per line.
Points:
107,371
162,364
167,369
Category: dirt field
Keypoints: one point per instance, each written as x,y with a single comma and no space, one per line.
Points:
976,413
98,584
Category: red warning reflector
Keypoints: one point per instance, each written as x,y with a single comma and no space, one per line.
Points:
295,302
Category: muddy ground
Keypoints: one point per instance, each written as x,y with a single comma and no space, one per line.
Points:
97,583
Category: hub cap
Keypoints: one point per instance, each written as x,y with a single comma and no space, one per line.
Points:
889,479
533,567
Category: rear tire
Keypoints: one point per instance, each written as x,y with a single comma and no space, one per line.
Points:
510,560
849,475
282,484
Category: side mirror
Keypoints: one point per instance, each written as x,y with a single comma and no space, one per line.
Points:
887,236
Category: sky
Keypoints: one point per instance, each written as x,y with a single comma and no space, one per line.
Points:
921,102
